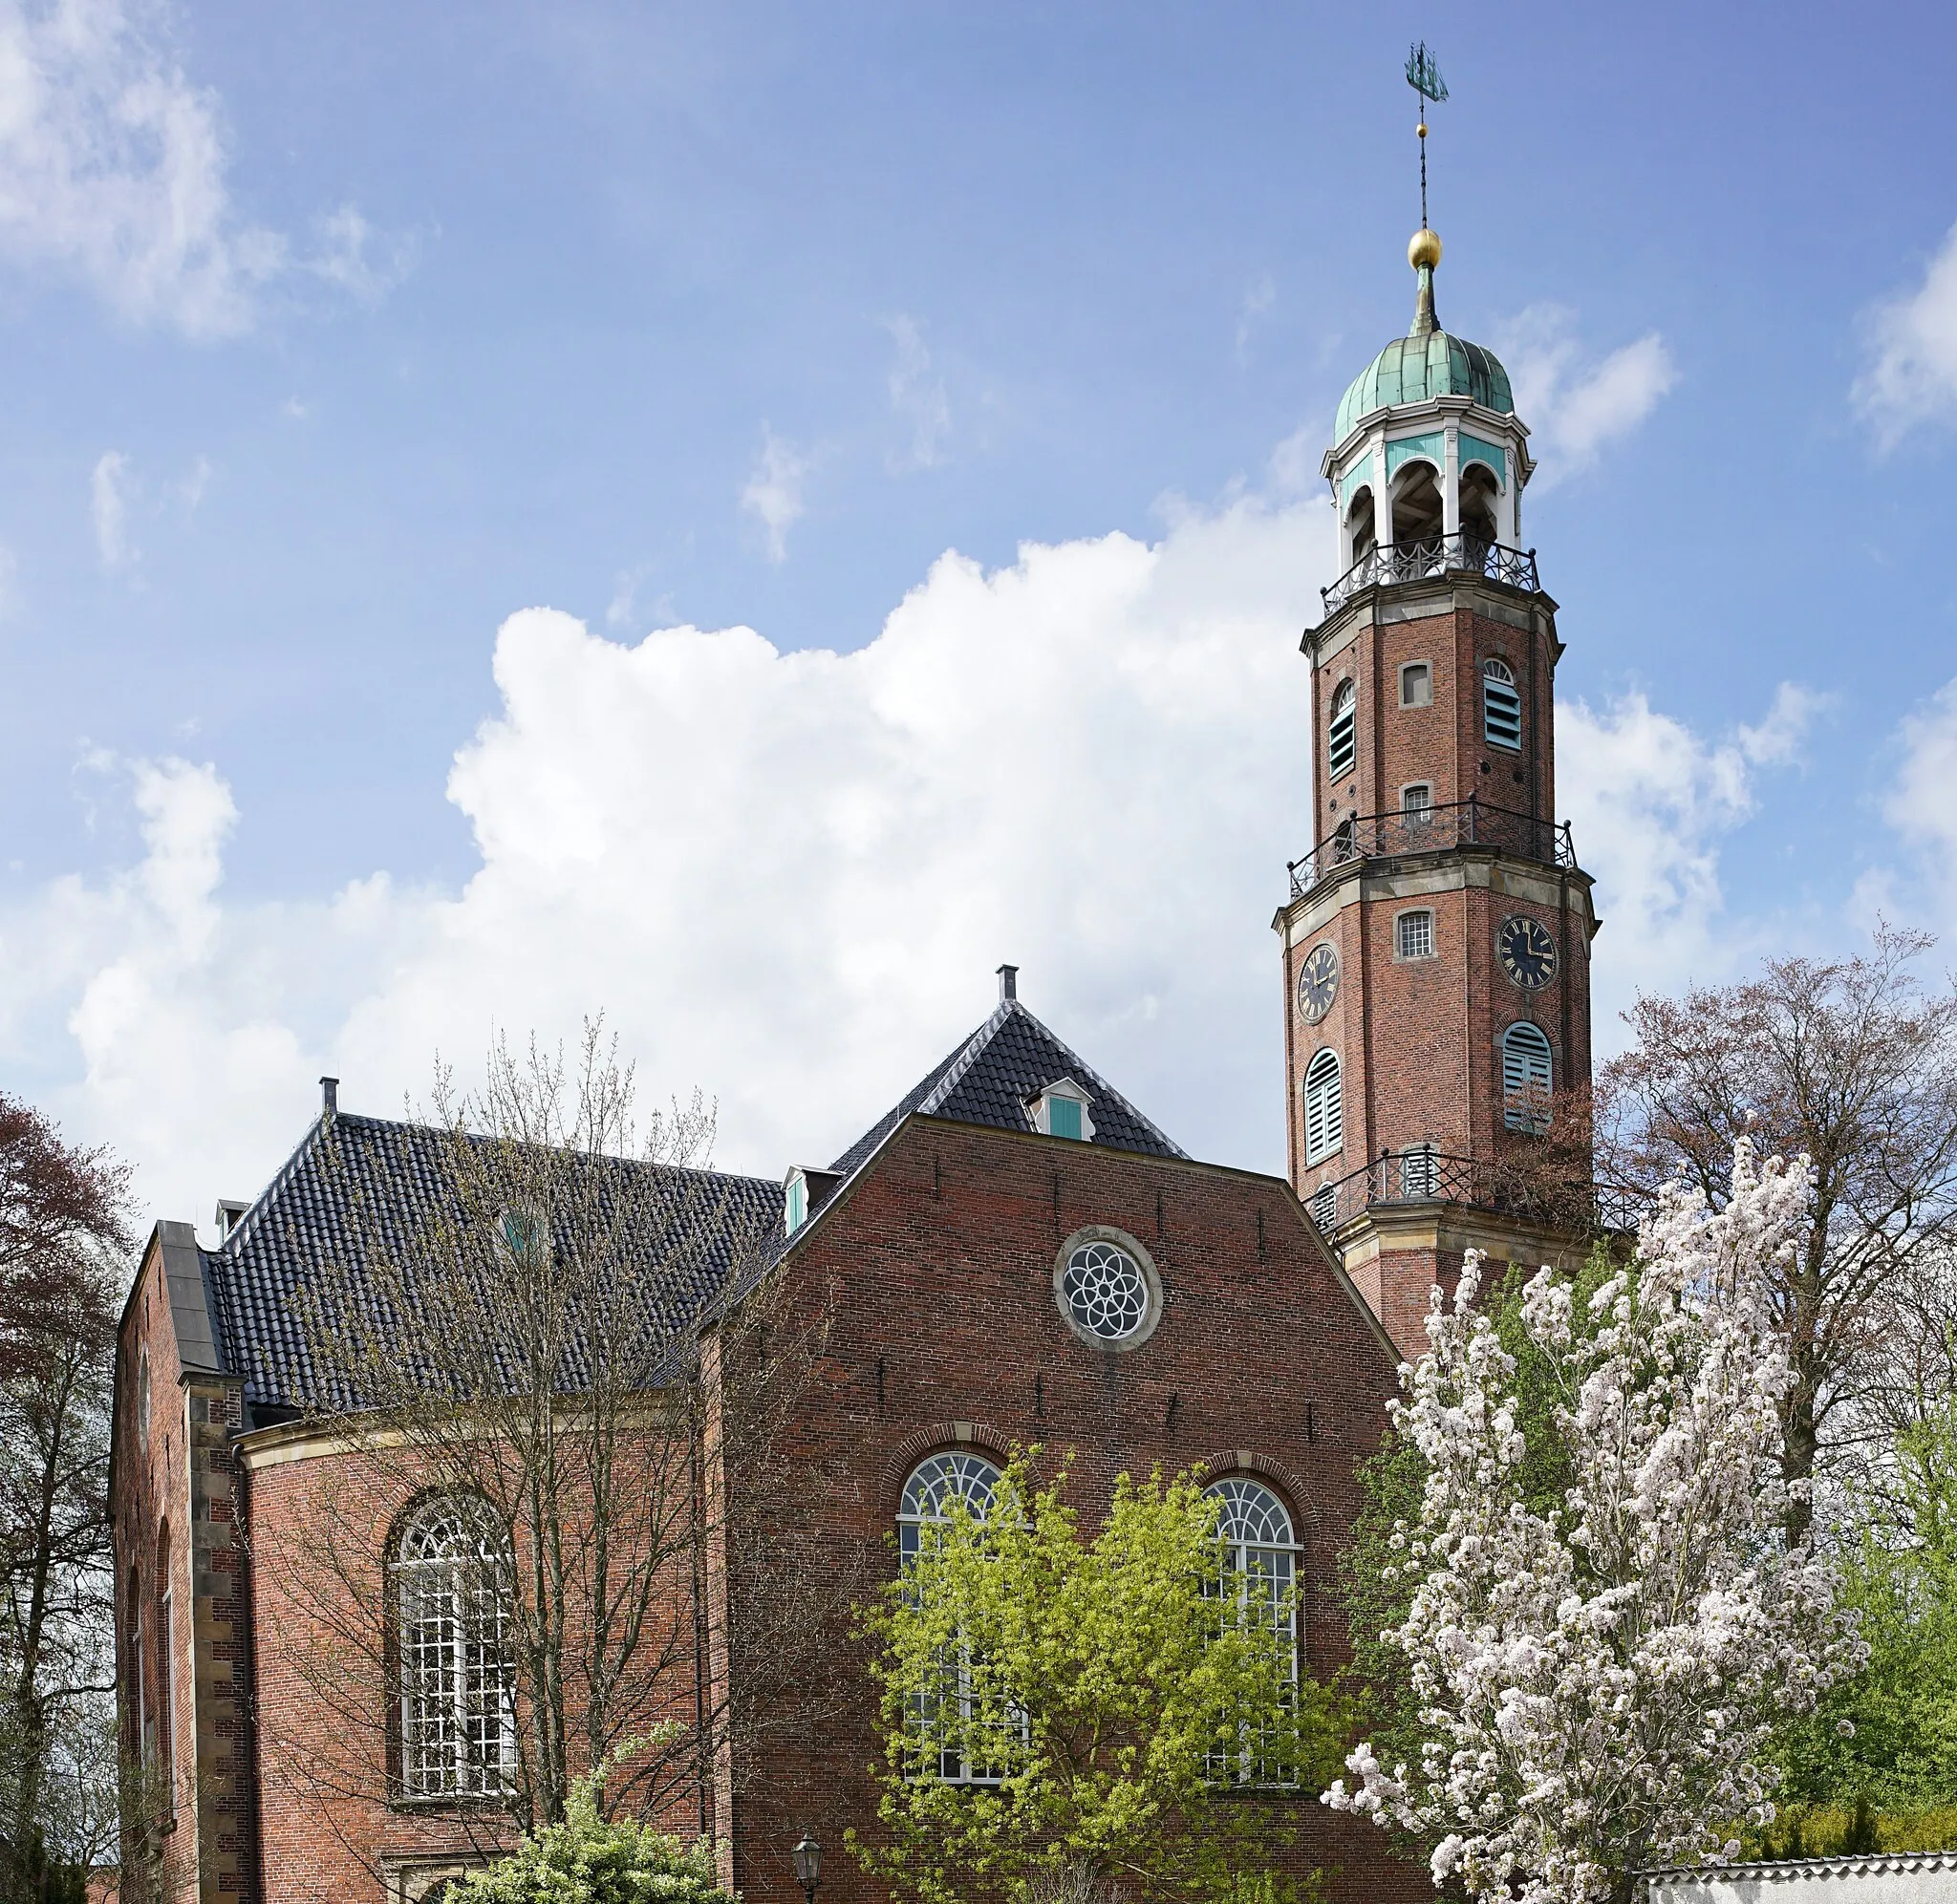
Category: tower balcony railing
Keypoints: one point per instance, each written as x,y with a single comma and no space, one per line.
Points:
1424,1174
1433,557
1428,829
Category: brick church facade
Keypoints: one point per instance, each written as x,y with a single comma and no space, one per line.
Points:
1015,1255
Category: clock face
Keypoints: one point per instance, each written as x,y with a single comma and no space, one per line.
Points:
1527,951
1318,983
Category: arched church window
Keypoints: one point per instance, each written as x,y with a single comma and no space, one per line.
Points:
166,1676
1259,1579
1501,707
950,1721
1342,736
1528,1076
452,1578
1325,1107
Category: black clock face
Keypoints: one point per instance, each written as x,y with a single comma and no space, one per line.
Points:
1318,983
1527,951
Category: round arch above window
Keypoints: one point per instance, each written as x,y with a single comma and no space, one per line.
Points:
939,1486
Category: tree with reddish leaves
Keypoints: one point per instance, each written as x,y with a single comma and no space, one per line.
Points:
1851,1063
64,1239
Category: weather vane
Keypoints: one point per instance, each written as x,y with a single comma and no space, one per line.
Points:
1424,76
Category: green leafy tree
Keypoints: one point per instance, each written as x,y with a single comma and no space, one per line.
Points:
587,1858
1129,1699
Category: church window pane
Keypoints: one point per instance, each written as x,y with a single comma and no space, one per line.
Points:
458,1681
1527,1078
1417,798
1342,744
1414,932
1325,1108
1416,685
1259,1581
944,1721
1501,707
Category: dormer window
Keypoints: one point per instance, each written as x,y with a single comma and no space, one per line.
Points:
794,1202
1060,1110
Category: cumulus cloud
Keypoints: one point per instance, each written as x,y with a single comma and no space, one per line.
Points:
1577,404
1909,375
917,397
113,169
1921,804
787,877
109,510
1652,803
773,493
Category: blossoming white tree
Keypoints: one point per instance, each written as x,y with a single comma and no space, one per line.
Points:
1597,1679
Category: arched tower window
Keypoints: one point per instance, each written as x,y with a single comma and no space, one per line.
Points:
945,1722
1501,707
452,1571
1528,1077
1342,736
1478,493
1416,505
1260,1577
1360,520
1325,1107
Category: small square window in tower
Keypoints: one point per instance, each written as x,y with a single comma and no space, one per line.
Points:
1416,684
1413,934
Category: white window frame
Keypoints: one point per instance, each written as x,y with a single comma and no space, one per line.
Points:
1403,922
454,1608
1406,669
1324,1105
1260,1556
1528,1064
1501,706
1341,732
964,1476
1066,1091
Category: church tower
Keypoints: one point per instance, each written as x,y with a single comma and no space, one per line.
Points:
1436,941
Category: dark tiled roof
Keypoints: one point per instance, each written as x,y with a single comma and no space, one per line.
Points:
1010,1057
358,1183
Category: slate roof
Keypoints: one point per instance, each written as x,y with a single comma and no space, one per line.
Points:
1010,1057
354,1178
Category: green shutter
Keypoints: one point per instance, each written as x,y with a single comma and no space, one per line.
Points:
1063,1118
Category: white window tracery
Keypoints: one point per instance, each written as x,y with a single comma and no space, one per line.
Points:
1260,1581
937,1488
458,1683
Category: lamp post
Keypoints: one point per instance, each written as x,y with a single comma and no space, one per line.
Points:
807,1861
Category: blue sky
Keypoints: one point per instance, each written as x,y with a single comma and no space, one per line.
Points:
335,337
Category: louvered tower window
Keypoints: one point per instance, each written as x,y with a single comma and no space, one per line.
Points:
1325,1107
1501,707
1527,1078
1342,741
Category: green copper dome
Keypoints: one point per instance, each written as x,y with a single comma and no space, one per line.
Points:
1410,370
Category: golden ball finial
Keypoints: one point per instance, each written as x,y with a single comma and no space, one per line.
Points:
1424,248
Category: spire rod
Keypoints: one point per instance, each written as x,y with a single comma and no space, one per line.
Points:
1424,253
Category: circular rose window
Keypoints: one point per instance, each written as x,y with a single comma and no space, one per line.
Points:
1109,1291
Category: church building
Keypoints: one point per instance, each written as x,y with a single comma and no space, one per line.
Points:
1015,1254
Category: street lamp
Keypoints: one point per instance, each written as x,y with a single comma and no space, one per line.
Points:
807,1860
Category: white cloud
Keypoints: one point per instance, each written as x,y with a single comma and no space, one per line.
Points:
773,493
1910,376
917,397
350,253
109,510
1576,405
1921,804
113,169
1650,803
787,877
1259,299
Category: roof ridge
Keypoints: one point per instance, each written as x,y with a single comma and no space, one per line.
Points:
974,1048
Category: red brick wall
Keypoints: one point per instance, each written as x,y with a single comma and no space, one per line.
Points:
939,1265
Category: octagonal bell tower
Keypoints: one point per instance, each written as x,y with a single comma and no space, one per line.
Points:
1436,940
